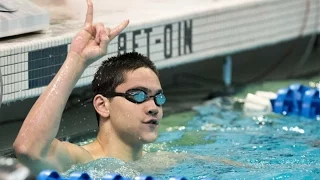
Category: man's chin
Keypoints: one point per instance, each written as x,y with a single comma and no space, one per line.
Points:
149,139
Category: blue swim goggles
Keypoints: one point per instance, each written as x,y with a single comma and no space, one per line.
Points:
139,96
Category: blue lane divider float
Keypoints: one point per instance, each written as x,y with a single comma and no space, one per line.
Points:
53,175
311,104
299,100
296,99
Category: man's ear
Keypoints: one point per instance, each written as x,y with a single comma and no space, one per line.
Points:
101,104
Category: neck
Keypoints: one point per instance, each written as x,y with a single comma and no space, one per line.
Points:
110,145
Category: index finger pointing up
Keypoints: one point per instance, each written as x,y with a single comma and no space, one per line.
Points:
89,16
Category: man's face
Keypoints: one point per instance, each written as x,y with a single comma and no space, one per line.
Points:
137,123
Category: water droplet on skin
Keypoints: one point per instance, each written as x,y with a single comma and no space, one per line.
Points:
78,38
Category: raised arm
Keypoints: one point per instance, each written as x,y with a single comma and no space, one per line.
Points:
35,145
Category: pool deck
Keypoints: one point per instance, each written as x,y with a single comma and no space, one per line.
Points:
141,13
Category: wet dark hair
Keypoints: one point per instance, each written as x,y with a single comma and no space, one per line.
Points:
111,72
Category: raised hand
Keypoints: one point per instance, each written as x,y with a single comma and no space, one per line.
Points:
92,41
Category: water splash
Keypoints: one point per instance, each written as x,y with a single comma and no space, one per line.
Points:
100,167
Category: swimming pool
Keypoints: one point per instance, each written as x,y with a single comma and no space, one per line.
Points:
220,142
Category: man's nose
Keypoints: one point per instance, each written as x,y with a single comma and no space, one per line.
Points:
152,108
153,112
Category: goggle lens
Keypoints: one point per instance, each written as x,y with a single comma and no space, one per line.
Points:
160,99
139,96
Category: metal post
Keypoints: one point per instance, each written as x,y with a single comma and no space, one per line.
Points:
1,88
227,71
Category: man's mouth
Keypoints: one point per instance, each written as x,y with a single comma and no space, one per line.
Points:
152,121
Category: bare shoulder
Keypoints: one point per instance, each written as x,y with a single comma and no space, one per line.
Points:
79,154
161,161
163,158
175,157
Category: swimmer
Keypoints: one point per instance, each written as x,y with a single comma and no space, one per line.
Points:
129,107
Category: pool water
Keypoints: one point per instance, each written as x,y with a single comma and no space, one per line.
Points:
271,147
218,141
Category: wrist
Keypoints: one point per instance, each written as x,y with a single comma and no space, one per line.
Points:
76,57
